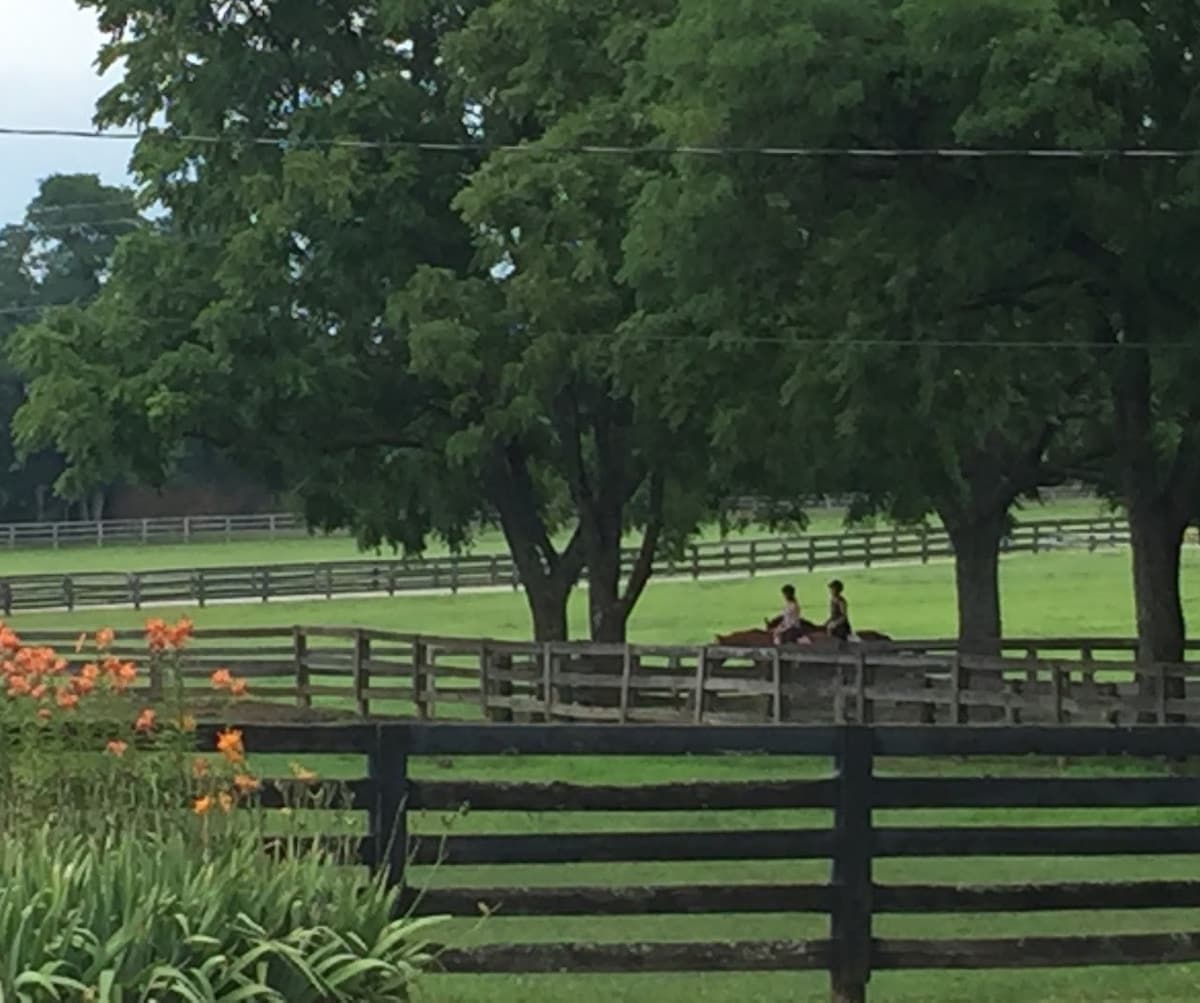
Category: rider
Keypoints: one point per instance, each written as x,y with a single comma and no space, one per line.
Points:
838,624
786,627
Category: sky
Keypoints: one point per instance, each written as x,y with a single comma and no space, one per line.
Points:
48,79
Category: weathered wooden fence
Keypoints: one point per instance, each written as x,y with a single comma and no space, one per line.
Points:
157,530
257,526
346,670
853,843
381,576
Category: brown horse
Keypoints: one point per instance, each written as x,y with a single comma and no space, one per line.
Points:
758,637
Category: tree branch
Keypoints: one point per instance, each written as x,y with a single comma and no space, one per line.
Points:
643,565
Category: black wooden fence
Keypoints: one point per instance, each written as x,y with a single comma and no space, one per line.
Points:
852,790
383,576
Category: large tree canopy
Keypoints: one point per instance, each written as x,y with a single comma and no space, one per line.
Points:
1106,76
413,340
58,254
937,318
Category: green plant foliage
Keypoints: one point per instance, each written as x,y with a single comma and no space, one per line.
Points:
126,916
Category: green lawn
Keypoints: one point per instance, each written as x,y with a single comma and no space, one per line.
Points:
1063,593
1060,593
1176,983
342,548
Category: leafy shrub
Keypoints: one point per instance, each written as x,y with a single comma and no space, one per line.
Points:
136,917
132,868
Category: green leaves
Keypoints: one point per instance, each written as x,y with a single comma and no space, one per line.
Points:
130,917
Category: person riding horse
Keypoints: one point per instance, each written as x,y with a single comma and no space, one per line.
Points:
788,627
838,624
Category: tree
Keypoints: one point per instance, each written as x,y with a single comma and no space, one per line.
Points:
323,311
895,302
535,329
1111,76
59,254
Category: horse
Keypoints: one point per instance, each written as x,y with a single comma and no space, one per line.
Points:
758,637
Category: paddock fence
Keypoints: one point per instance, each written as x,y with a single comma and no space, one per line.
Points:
282,525
452,573
860,771
315,672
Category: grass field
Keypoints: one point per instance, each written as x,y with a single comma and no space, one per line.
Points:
1058,593
342,548
1062,593
1174,984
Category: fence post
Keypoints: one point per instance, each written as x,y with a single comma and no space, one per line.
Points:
777,685
200,591
300,657
187,529
54,535
387,769
68,591
812,555
867,549
853,850
99,533
701,673
419,655
753,559
1037,538
924,544
6,597
861,681
626,682
134,582
957,710
695,561
485,683
145,530
362,672
547,680
265,584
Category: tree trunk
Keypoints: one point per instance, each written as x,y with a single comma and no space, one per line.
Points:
976,540
547,576
1158,496
607,611
548,600
1157,542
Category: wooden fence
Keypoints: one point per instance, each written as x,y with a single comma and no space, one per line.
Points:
852,843
258,526
381,576
157,530
321,671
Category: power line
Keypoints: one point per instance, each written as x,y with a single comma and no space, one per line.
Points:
792,152
91,223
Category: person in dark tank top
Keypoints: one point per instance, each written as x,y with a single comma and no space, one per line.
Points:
838,624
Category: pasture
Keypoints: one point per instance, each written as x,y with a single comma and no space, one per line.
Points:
1058,593
1050,593
146,557
1173,983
